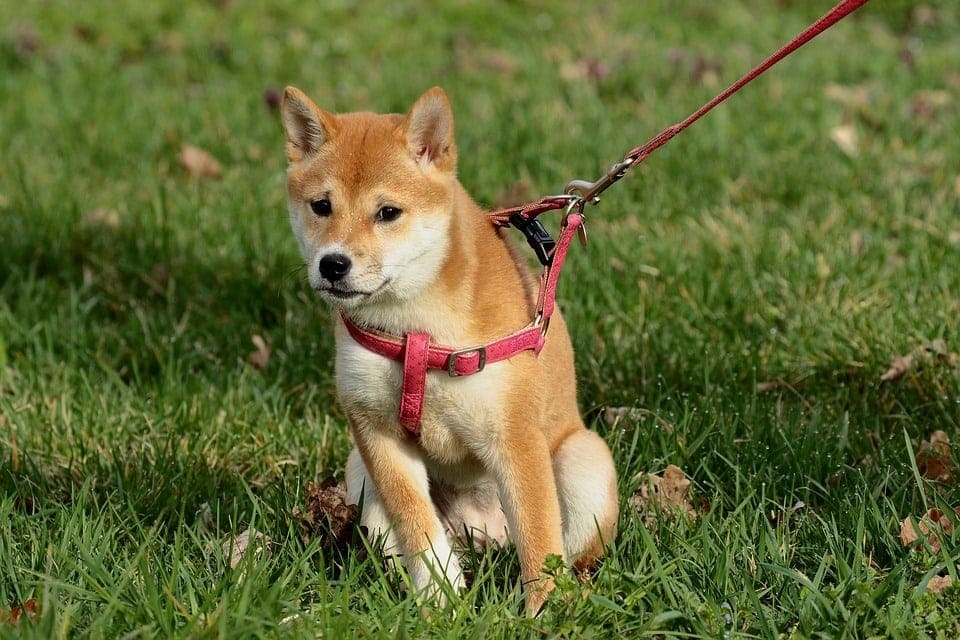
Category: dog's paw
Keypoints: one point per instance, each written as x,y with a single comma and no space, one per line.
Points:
436,577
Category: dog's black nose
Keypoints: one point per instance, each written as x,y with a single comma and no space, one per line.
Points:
334,266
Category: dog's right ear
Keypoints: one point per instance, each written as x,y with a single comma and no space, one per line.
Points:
307,125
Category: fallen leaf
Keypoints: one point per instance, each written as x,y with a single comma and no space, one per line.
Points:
855,97
26,610
26,41
668,492
706,70
261,357
935,350
272,98
926,104
776,385
857,242
328,516
907,58
102,218
938,583
499,61
845,137
592,69
933,525
198,163
612,416
240,545
935,458
924,16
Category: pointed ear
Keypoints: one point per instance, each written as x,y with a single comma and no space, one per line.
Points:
428,130
308,126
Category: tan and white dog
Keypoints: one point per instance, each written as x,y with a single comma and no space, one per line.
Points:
392,239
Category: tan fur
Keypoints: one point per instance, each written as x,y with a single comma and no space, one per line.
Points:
509,437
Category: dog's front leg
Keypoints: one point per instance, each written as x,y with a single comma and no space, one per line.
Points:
401,492
528,493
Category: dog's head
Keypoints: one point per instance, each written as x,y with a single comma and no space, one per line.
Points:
371,197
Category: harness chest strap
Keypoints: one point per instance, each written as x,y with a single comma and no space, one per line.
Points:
418,356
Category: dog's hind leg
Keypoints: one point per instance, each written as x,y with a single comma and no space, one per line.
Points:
587,487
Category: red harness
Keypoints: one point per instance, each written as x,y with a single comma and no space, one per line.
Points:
418,355
415,351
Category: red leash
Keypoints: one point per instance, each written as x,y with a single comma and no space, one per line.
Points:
577,193
414,350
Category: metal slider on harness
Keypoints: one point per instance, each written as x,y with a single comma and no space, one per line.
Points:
537,237
481,352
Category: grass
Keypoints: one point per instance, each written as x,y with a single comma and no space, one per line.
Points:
136,438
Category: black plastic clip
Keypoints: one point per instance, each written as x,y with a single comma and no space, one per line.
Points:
537,237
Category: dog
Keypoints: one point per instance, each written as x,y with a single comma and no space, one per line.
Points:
392,240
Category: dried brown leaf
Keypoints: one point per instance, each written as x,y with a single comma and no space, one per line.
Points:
26,41
272,98
199,163
102,218
237,547
261,357
500,61
26,610
855,97
776,385
933,525
706,71
668,492
938,583
845,137
327,515
592,69
935,458
927,104
935,350
613,416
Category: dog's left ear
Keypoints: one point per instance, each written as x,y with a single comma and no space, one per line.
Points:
427,131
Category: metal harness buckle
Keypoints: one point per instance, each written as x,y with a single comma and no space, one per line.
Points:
481,352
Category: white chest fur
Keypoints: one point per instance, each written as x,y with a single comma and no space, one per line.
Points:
460,414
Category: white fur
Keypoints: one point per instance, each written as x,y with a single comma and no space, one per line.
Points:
413,264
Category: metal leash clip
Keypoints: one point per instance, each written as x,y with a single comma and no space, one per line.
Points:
590,192
577,204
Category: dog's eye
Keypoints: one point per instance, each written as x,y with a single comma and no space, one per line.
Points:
388,214
321,207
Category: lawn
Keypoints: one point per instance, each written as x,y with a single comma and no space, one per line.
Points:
735,314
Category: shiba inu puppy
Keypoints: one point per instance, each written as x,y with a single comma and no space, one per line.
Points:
393,241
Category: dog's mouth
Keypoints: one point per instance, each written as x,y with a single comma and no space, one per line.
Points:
344,295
